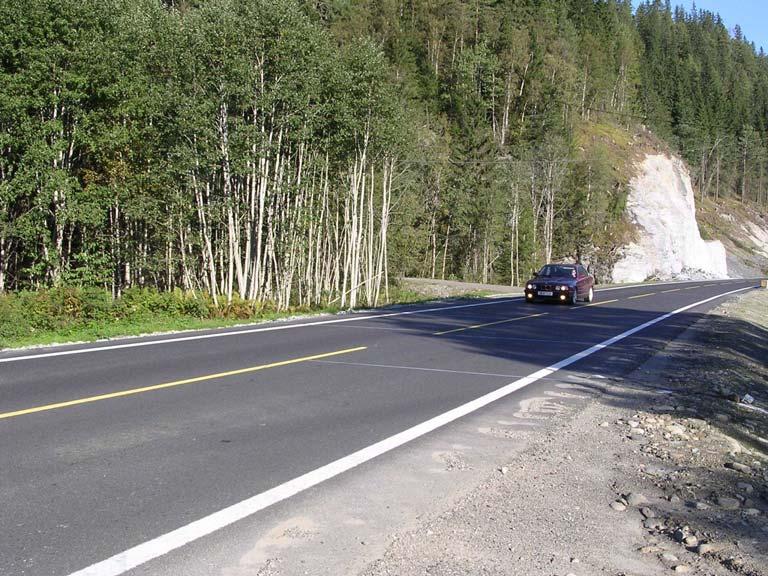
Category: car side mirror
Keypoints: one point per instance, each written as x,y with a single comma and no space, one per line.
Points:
534,273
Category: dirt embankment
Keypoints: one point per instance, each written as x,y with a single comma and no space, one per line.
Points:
663,472
743,231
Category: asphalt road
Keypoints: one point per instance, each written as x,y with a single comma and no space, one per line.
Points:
108,447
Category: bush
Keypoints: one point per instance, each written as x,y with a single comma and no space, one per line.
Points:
13,321
63,310
144,302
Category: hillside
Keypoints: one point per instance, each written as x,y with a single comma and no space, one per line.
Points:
676,235
305,153
669,244
743,231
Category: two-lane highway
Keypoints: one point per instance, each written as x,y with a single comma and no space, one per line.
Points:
114,454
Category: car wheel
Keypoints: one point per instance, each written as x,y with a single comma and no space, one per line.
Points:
591,295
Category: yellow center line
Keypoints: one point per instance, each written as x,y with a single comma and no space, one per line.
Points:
474,327
641,295
133,391
673,290
594,304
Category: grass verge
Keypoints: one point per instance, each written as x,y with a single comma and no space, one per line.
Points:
67,315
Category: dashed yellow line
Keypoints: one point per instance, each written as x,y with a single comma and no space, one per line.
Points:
155,387
476,326
673,290
641,296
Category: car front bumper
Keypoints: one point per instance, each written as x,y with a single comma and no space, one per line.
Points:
552,295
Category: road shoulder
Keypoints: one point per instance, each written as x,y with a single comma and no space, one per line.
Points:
662,472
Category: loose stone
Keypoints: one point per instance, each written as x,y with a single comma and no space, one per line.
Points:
728,503
654,524
676,429
738,467
647,512
691,541
636,499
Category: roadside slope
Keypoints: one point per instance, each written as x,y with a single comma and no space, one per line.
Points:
742,229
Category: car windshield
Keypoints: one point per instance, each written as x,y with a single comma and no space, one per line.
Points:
558,271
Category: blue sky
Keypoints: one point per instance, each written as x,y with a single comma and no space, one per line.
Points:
751,15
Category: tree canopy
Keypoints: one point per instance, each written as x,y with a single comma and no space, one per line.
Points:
306,151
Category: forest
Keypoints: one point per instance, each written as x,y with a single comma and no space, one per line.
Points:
309,152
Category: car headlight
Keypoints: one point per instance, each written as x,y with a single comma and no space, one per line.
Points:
562,287
530,286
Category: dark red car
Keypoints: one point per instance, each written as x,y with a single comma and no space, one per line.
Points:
561,283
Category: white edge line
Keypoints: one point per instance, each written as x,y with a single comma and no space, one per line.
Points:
138,555
239,332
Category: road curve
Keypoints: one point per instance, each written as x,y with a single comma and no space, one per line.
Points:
113,454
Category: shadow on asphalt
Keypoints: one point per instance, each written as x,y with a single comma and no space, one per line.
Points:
723,356
541,342
703,375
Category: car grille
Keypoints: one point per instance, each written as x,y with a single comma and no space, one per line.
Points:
546,287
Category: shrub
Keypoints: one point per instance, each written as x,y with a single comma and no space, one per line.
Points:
14,323
61,310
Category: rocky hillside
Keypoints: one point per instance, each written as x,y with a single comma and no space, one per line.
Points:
675,239
743,231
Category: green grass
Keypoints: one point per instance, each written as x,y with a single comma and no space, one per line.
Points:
60,316
73,314
613,133
133,327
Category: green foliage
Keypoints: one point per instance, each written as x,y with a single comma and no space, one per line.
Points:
64,311
146,145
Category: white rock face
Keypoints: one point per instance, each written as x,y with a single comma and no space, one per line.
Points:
670,246
758,236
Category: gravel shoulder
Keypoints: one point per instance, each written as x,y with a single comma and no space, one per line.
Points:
663,472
